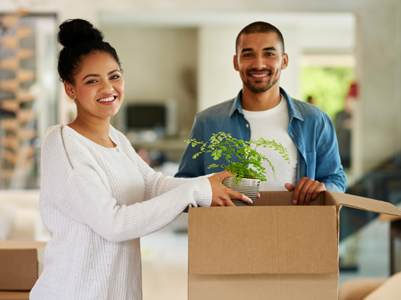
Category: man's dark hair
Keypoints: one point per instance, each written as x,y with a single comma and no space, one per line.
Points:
260,27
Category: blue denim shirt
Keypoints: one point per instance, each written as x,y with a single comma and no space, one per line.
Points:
310,129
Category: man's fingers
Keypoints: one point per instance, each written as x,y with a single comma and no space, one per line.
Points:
305,192
289,186
297,190
311,192
320,188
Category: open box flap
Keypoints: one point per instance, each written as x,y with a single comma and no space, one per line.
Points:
363,203
388,218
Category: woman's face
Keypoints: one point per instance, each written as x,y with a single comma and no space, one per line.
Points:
99,86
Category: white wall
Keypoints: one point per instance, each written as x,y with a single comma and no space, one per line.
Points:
218,81
378,53
159,63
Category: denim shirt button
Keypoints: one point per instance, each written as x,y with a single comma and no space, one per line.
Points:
247,125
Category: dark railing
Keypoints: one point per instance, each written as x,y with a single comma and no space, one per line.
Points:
383,183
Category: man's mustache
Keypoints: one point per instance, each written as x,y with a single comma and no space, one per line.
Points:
269,71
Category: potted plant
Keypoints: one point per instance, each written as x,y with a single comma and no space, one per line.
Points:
241,158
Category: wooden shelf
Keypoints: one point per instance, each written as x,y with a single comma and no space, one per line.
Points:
15,148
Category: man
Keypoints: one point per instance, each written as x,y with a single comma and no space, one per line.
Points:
343,124
263,109
310,100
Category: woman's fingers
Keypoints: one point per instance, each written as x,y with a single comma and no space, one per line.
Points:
225,174
222,201
229,202
236,195
222,195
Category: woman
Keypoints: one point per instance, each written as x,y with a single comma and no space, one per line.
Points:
98,197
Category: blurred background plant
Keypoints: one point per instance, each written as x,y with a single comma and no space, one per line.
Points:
327,85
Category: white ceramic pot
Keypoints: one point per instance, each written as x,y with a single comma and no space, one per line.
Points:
248,187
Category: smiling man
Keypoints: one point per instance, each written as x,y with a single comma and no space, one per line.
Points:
263,109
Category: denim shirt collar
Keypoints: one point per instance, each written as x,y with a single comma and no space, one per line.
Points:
237,104
293,111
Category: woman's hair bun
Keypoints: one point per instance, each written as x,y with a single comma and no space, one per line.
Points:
76,31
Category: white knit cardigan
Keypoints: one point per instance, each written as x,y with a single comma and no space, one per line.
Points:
97,203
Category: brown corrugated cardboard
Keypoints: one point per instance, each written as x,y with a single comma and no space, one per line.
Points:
388,218
266,287
359,288
243,233
20,264
5,295
274,250
363,203
389,290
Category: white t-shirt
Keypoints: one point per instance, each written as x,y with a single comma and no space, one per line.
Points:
272,124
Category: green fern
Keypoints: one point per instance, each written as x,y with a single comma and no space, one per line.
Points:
243,160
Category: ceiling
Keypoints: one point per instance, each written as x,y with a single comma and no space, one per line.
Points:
196,19
317,33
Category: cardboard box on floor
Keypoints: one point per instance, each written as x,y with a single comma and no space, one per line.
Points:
8,295
388,218
272,251
389,290
21,264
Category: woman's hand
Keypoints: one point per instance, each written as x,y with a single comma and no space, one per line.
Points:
222,195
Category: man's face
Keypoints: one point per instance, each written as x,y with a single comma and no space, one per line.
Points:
259,60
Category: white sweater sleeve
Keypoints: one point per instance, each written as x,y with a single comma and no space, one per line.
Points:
156,184
87,200
74,184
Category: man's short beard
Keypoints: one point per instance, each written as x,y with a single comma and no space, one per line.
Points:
261,89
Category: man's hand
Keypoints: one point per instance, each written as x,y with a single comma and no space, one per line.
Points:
222,195
306,190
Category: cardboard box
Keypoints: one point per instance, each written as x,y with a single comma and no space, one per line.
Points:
389,290
395,236
272,251
388,218
21,263
6,295
359,288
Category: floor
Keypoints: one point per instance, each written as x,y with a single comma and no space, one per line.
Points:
164,256
165,262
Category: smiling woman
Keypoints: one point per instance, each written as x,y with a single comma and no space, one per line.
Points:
95,201
92,76
98,93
